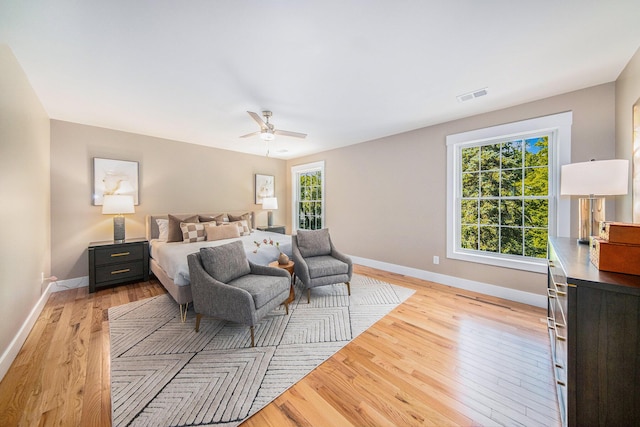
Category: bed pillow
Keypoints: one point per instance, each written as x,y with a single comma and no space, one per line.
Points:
225,262
192,232
242,226
244,216
209,218
174,233
314,242
214,232
163,228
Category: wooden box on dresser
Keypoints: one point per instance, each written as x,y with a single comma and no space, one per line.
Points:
594,317
113,263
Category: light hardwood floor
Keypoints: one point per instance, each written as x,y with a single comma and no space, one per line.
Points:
444,357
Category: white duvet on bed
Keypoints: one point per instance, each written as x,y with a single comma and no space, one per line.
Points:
172,257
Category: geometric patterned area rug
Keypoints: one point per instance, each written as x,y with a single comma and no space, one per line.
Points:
163,373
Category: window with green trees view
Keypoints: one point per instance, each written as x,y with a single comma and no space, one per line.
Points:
504,200
310,204
308,196
503,183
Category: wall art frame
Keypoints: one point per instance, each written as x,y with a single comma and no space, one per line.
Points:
265,186
114,177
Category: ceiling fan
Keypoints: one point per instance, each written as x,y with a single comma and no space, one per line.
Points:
267,131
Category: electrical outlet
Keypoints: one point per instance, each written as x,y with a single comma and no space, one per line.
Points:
436,259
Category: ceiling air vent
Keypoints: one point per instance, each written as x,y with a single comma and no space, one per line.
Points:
471,95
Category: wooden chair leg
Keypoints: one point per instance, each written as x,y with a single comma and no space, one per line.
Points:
198,317
309,296
348,288
252,339
286,307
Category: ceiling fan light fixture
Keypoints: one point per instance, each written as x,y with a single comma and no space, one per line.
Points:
267,135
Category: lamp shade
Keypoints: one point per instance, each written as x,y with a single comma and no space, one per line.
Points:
117,205
598,178
270,203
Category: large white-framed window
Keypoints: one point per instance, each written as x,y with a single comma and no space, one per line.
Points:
503,192
308,196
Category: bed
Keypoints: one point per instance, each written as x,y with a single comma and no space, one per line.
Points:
168,260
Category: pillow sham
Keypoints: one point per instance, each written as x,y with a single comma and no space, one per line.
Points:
244,216
209,218
241,225
192,232
163,228
174,233
214,232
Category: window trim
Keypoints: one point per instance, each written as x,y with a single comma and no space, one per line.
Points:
559,128
295,170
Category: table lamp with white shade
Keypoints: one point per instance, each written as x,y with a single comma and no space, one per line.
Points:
593,180
270,203
118,205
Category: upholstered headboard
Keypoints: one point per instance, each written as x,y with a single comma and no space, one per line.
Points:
153,232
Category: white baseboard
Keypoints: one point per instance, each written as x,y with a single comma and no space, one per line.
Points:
76,282
456,282
12,351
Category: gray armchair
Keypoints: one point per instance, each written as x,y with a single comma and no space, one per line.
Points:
318,262
226,285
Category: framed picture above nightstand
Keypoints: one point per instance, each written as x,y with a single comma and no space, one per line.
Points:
274,228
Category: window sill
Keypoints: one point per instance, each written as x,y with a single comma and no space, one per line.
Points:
527,264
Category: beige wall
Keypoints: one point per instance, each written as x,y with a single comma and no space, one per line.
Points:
24,197
175,177
627,94
386,199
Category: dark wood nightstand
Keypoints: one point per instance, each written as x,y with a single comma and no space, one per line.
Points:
113,263
273,228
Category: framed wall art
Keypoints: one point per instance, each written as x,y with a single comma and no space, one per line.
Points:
265,187
114,177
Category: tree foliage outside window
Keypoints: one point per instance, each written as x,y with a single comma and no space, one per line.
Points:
310,200
504,200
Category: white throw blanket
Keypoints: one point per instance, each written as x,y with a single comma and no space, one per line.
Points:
172,257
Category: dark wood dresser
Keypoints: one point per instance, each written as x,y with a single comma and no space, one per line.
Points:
112,263
593,319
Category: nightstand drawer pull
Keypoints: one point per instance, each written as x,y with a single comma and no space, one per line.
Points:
125,270
120,254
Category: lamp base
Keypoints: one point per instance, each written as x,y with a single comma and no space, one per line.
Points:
118,228
590,214
270,218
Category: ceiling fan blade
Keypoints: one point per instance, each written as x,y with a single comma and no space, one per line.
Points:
289,133
258,120
251,134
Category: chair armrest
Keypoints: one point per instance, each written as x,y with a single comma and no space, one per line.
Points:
301,268
265,270
342,257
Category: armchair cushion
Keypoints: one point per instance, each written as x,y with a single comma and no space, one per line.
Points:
226,262
313,243
262,288
326,265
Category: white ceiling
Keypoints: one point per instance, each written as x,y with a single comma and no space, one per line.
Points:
342,71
